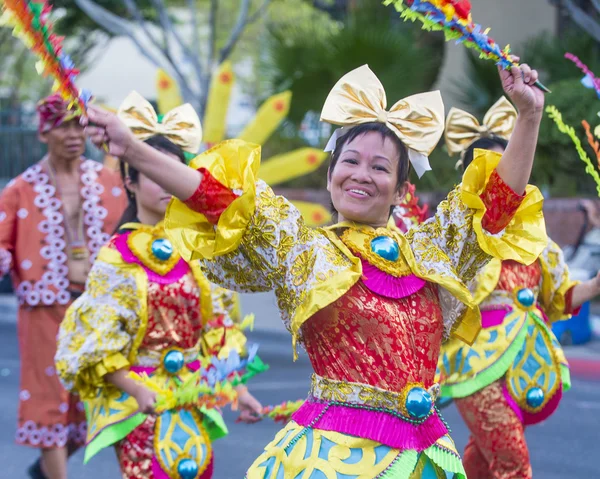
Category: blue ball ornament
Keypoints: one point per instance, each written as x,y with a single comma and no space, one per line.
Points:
418,402
162,249
187,469
526,297
174,361
385,247
535,397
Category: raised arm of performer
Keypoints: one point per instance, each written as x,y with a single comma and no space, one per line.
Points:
182,181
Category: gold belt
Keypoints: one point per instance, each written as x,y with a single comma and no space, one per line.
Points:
414,401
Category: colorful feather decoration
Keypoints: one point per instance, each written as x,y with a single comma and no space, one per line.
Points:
453,17
31,24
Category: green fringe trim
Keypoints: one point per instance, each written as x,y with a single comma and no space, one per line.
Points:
446,460
565,377
112,434
252,369
403,465
489,375
214,424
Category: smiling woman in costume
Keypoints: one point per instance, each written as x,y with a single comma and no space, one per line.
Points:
369,304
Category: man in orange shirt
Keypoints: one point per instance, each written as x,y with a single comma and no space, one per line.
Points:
53,219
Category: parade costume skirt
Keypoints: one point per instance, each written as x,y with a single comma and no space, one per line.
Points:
355,431
153,448
530,363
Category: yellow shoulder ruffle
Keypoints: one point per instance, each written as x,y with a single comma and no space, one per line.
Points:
524,238
234,163
487,280
555,283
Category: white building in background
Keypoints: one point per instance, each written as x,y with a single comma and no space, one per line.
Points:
511,22
122,68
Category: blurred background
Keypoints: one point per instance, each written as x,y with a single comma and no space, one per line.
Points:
247,51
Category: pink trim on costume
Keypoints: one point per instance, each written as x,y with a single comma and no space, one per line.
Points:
157,470
378,426
494,317
179,270
512,403
387,285
528,418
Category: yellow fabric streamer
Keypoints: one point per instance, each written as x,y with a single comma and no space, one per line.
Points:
293,164
268,117
168,95
555,115
218,102
314,214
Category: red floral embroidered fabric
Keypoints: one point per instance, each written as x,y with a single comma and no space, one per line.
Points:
135,452
366,338
211,198
501,204
497,448
517,275
174,317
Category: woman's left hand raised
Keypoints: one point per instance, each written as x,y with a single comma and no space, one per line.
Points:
518,83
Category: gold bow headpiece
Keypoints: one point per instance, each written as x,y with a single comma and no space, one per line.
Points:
463,129
181,125
358,97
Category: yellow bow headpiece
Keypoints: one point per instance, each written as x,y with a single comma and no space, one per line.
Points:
181,125
358,97
462,128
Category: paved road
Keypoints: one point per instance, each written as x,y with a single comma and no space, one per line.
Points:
564,447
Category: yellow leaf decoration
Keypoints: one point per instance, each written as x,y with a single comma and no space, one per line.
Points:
314,214
268,117
168,95
288,166
215,118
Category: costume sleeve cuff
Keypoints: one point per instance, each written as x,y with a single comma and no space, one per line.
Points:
213,221
211,198
91,379
508,226
501,204
569,303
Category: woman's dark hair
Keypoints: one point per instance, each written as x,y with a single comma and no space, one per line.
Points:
385,132
159,143
483,144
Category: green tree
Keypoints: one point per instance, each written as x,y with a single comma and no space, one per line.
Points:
309,57
557,165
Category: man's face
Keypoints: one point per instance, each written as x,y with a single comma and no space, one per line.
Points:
67,141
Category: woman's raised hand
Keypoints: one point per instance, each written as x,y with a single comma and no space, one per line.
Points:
106,130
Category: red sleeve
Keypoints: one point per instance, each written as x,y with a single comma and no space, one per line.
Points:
211,198
501,204
569,303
